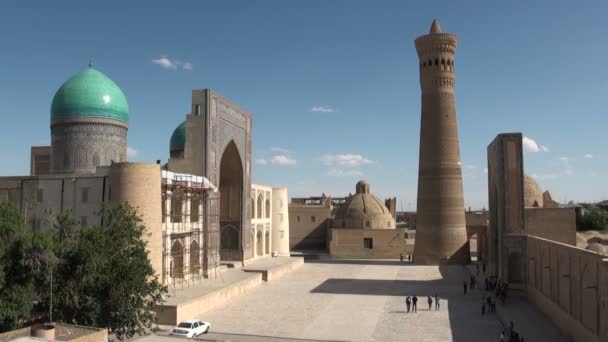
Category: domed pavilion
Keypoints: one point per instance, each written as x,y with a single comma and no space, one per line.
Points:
363,210
177,144
89,123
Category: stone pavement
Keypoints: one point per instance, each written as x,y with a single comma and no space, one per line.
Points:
529,322
358,300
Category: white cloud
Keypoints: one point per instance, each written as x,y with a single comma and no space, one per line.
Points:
261,161
131,152
588,156
349,160
564,159
282,159
166,63
280,150
342,173
323,109
530,145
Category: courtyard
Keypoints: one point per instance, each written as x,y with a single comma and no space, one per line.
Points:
358,300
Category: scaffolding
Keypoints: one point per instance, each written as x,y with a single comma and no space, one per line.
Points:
190,219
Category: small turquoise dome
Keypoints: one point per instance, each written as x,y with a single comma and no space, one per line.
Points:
90,93
178,138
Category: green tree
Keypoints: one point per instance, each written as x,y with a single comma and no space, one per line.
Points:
16,281
592,218
105,279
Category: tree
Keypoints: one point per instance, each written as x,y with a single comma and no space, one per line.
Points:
592,218
105,279
16,281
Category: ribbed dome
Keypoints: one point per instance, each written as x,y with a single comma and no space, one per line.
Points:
178,138
90,93
363,210
533,195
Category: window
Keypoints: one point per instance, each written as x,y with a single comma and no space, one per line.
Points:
368,243
280,217
267,208
367,224
176,208
297,218
197,109
83,221
194,204
259,209
40,195
85,195
313,219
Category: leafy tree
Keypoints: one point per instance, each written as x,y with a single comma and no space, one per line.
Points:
16,281
593,218
105,278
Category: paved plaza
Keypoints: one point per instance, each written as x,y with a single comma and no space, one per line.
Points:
355,300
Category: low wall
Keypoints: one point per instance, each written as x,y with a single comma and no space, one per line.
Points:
386,244
172,314
277,272
64,332
570,285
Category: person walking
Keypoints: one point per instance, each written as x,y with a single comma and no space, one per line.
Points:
408,303
492,304
430,301
477,267
409,258
483,305
465,287
401,257
436,302
414,304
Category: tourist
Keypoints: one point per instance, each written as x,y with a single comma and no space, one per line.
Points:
408,302
465,287
483,305
430,301
477,267
436,302
401,257
409,257
414,303
502,336
493,304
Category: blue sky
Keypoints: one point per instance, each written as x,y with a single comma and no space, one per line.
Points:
333,85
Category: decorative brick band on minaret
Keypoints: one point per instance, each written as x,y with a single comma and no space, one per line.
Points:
441,235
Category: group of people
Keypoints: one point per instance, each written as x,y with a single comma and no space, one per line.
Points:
412,303
490,302
501,290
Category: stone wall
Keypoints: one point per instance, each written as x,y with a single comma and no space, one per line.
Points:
570,285
557,224
386,244
306,233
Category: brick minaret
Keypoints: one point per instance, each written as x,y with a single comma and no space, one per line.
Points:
441,235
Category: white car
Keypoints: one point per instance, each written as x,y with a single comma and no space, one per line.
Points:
191,328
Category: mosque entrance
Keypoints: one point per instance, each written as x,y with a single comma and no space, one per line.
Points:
231,193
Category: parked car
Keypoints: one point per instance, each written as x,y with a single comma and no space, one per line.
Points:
191,328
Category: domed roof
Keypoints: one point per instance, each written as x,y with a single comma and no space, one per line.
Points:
90,93
533,195
363,210
178,138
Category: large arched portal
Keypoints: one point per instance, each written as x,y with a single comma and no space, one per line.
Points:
231,193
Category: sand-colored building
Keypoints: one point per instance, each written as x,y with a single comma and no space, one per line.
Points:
195,207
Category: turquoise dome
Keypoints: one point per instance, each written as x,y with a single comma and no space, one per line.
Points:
178,138
90,93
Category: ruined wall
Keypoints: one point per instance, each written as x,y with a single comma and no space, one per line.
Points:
570,285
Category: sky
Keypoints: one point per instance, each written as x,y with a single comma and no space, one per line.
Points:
333,85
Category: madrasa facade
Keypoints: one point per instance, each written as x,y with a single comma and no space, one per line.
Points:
201,210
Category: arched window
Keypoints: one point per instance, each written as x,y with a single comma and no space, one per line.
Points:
252,207
267,208
260,206
177,258
195,262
